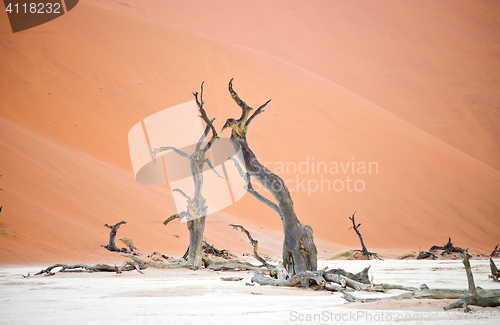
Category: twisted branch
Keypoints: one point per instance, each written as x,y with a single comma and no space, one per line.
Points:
255,245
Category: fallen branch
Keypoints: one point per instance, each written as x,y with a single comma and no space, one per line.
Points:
210,249
448,248
291,282
473,297
126,266
425,254
234,266
128,242
145,264
495,273
255,245
360,277
232,278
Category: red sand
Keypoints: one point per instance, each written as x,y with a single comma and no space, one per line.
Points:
412,86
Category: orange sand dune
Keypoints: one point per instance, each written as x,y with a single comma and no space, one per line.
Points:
433,63
71,89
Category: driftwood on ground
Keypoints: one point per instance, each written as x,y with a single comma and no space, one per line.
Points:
361,277
448,248
210,249
364,252
496,252
229,265
472,296
126,266
423,254
128,242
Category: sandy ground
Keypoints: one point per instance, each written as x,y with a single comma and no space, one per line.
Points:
191,297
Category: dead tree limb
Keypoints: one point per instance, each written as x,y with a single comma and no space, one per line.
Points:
234,265
423,254
112,237
126,266
495,273
210,249
472,296
128,242
364,252
299,250
145,264
496,252
255,245
361,277
290,282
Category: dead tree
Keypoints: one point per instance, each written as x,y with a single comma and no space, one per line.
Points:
112,237
196,211
364,252
299,250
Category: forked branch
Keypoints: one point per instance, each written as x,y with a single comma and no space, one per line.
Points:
204,117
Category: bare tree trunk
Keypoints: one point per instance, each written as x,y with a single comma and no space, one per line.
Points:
299,250
112,237
196,229
196,211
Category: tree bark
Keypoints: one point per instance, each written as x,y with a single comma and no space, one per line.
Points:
112,237
299,250
126,266
196,211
